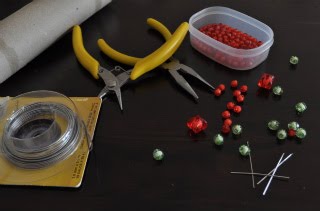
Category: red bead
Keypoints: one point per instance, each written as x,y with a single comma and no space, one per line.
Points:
237,109
240,98
225,129
197,124
234,83
230,105
227,122
244,88
226,114
266,81
291,132
222,87
236,93
217,92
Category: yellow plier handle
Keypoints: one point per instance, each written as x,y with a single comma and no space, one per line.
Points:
155,59
85,59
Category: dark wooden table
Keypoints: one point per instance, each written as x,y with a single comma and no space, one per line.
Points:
121,173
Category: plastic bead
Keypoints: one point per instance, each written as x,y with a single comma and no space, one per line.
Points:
234,83
293,125
240,98
266,81
230,105
244,150
273,125
301,133
237,109
301,107
236,129
225,129
244,88
281,134
227,122
218,139
217,92
197,124
236,93
226,114
157,154
277,90
222,87
291,133
294,60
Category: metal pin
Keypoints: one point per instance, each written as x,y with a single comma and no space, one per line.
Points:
260,174
276,168
252,175
284,160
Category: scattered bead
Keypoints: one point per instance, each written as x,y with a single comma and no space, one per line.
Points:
236,129
236,93
197,124
266,81
244,88
227,122
225,129
218,139
222,87
230,105
301,107
234,83
273,125
157,154
240,98
237,109
217,92
294,60
277,90
244,150
301,133
291,133
281,134
293,125
225,114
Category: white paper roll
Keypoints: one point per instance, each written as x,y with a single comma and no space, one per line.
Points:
33,28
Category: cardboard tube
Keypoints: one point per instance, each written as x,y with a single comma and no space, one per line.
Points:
32,29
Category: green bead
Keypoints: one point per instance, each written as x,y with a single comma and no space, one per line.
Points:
236,129
301,107
218,139
273,125
301,133
158,154
293,125
244,150
281,134
277,90
294,60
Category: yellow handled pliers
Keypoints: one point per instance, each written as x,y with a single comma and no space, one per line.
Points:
173,65
114,82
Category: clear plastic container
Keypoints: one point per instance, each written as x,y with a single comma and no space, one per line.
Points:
239,59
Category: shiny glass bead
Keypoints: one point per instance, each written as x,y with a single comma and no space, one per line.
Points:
244,150
277,90
266,81
157,154
293,125
197,124
273,125
236,129
301,133
294,60
218,139
301,107
281,134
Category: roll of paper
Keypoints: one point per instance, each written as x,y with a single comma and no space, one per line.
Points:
29,31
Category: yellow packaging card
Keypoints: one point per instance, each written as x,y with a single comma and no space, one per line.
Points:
66,173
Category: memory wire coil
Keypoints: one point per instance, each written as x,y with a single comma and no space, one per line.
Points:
41,134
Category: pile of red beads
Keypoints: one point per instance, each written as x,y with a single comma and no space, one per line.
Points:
230,36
